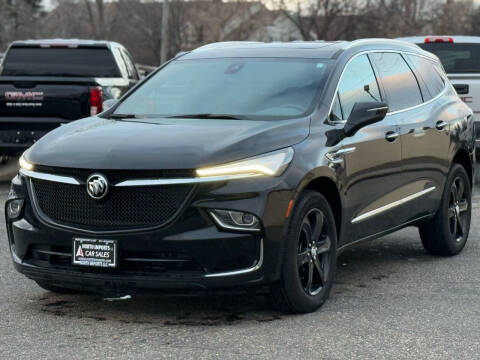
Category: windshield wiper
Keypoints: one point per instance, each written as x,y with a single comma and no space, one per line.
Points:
123,116
206,116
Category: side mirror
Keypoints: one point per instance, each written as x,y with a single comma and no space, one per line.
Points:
107,104
363,114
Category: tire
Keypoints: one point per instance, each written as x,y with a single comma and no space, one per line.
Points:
56,289
302,288
447,232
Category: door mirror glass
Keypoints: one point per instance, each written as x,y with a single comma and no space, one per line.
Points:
363,114
107,104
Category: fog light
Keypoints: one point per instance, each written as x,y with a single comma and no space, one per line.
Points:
235,220
14,208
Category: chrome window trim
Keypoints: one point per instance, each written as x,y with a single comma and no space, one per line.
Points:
384,51
49,177
392,205
253,268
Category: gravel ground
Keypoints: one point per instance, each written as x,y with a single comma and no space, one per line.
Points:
390,300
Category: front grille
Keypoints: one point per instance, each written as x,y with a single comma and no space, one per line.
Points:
122,208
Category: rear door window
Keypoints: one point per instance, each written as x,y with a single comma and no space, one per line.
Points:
399,82
431,81
358,84
37,61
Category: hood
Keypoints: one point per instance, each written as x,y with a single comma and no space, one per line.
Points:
97,143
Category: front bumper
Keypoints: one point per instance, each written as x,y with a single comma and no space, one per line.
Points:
189,253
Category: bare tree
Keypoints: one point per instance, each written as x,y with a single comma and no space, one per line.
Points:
165,32
18,19
322,19
99,22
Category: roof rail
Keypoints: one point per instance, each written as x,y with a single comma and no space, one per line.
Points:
225,44
381,41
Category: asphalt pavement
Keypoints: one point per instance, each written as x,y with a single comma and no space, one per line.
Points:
391,300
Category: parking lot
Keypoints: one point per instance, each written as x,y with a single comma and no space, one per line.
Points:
390,300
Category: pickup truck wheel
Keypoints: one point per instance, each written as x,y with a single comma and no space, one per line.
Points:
310,256
447,233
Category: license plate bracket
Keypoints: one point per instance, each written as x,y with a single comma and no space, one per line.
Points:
95,252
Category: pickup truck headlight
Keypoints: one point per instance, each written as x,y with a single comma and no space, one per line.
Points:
115,92
270,164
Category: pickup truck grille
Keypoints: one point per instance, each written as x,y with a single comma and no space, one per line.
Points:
122,208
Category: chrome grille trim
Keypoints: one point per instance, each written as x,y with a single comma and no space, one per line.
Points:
49,177
136,182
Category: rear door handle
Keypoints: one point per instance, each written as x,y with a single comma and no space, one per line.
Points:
391,136
441,125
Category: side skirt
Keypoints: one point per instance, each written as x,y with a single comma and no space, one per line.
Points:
383,233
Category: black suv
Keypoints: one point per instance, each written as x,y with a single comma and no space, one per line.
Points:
248,164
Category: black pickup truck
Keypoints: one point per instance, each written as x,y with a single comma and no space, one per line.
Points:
45,83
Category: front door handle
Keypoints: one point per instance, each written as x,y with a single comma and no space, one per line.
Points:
336,157
441,125
391,136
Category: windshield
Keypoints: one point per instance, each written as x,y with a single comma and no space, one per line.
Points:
230,88
36,61
456,58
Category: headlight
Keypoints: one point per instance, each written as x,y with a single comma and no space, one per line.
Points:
270,164
24,164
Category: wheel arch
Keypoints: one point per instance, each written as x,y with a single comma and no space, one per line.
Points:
462,157
328,188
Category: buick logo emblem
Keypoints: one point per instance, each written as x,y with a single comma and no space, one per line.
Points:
97,186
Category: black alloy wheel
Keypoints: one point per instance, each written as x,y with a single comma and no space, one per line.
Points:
458,209
310,256
447,232
314,245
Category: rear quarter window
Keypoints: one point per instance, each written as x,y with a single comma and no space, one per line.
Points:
433,82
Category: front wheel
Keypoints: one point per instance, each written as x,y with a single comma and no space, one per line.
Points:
310,256
447,233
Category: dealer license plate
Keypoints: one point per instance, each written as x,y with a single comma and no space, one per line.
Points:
94,252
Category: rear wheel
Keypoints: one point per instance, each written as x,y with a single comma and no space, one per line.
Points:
310,256
447,233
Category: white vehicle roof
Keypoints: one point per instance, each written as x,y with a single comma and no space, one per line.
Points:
456,38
